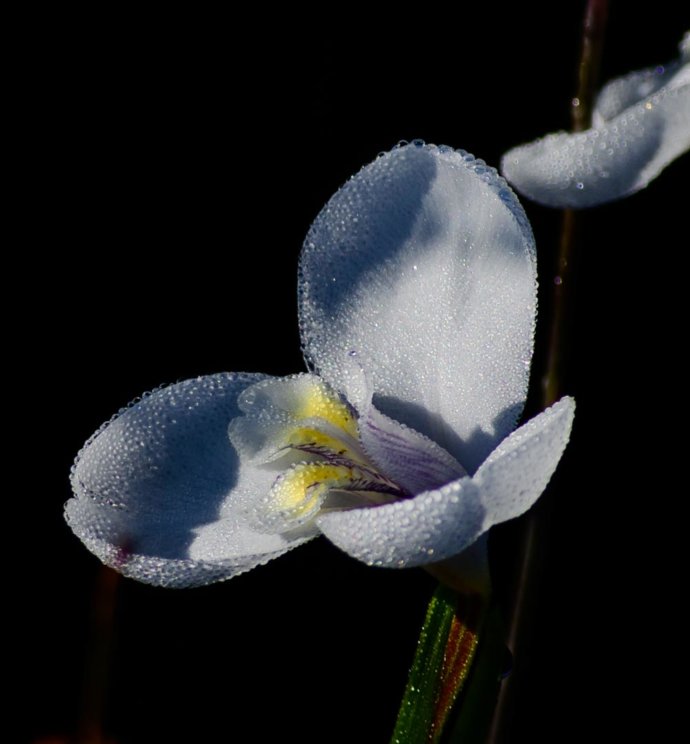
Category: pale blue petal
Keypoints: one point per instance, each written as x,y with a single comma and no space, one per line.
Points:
626,91
160,494
642,123
423,265
516,473
428,528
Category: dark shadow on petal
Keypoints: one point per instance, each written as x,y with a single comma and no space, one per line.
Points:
362,227
471,452
163,467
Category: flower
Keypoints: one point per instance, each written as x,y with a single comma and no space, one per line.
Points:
417,299
641,123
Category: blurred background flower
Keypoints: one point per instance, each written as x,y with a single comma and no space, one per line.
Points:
641,123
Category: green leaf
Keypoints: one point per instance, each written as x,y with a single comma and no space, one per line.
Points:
443,660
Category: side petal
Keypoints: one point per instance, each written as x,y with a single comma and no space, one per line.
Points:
609,162
516,473
428,528
423,266
160,494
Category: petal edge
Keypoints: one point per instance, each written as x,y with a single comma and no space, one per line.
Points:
518,470
428,528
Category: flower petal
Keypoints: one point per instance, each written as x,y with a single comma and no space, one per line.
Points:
423,265
406,456
630,146
623,92
160,494
428,528
516,473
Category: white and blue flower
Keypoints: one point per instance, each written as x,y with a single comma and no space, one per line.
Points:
417,302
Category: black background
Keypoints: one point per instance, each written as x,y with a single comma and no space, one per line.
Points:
173,163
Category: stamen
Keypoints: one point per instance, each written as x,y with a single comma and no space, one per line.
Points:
299,492
303,417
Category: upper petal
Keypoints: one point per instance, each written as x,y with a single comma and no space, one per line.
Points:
642,123
423,266
517,471
160,494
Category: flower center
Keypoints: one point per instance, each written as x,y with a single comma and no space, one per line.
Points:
302,427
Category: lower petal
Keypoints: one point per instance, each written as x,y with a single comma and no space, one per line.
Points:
105,535
411,532
160,494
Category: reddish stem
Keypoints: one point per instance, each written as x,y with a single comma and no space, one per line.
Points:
526,588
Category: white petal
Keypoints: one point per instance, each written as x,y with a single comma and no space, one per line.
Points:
160,494
89,520
516,473
609,162
621,93
428,528
423,266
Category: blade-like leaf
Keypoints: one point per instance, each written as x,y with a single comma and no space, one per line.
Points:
443,660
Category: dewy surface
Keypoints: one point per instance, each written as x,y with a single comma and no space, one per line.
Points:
641,123
424,267
417,299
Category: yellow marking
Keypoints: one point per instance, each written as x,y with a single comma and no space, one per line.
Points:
319,401
301,489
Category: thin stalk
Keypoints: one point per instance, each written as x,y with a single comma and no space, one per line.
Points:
98,658
526,589
581,118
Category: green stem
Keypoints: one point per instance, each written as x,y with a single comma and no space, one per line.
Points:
526,589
